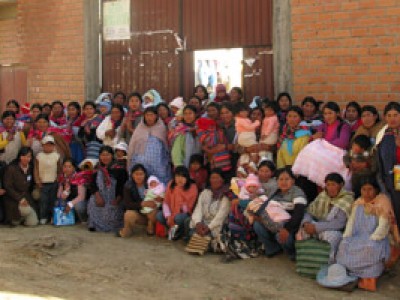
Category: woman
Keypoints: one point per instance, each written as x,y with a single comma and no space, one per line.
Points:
312,116
105,205
327,215
212,208
18,183
164,113
74,120
87,130
213,110
134,192
221,94
133,116
71,190
284,102
365,246
148,146
40,130
352,115
325,154
293,139
13,106
109,130
227,124
201,92
388,154
266,175
370,123
294,201
57,117
196,102
183,140
34,110
11,139
236,95
179,201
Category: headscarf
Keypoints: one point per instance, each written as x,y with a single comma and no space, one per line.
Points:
141,135
154,96
321,206
159,189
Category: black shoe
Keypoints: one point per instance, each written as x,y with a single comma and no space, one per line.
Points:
92,229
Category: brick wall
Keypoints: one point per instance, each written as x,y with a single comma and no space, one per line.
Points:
346,50
9,51
50,42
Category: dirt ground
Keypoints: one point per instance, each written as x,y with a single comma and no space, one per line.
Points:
72,263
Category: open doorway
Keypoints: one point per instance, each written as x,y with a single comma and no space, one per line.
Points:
217,66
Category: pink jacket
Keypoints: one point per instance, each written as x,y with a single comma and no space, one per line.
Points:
245,125
270,125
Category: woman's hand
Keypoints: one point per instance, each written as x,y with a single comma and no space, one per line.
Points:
309,228
283,236
99,200
67,209
23,202
110,133
318,135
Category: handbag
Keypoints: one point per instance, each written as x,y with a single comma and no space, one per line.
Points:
60,218
311,255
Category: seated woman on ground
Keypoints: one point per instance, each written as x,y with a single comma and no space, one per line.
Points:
18,184
134,194
327,215
366,244
179,201
212,209
293,200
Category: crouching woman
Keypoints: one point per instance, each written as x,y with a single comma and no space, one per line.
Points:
18,183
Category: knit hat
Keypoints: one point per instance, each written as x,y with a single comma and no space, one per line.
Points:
178,103
105,103
152,178
121,146
252,180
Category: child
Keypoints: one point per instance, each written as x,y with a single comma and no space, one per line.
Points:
269,129
360,162
246,131
47,166
151,98
155,191
121,150
197,170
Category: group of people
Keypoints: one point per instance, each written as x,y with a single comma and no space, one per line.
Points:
251,178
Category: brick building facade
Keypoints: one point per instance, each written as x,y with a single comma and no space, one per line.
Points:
341,50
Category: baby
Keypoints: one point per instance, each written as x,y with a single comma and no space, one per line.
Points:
250,190
156,189
246,130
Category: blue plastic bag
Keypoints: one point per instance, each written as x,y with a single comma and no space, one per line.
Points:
62,219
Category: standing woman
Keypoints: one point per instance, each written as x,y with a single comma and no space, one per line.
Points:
228,126
284,102
183,140
149,147
87,130
18,183
11,139
164,113
236,95
312,116
109,130
74,120
370,123
293,138
40,130
325,154
34,111
105,205
388,153
57,117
